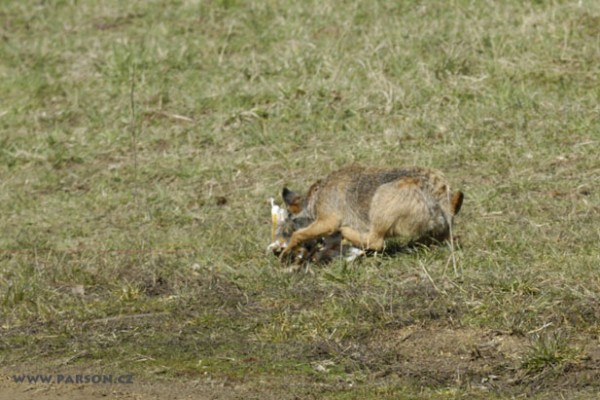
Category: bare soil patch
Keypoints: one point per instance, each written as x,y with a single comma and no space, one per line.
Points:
413,357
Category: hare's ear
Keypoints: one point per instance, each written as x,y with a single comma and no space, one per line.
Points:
456,202
292,200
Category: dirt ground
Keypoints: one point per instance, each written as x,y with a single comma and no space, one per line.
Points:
475,361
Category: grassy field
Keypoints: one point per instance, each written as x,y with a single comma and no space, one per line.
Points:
140,140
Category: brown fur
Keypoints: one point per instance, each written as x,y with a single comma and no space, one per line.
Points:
367,205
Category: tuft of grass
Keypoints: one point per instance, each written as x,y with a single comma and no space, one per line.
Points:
550,352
